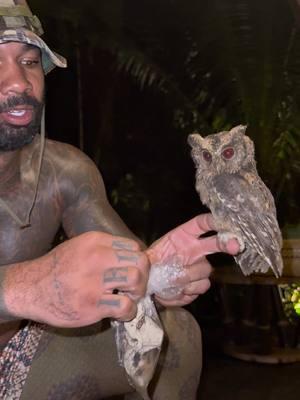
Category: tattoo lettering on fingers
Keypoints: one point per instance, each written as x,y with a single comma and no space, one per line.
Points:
120,245
125,256
111,303
116,275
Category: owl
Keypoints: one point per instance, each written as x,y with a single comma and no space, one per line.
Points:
241,204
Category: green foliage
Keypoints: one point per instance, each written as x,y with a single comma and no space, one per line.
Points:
290,297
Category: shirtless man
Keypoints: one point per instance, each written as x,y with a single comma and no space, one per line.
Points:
74,287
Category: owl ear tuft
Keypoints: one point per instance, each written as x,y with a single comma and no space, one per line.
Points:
195,140
239,130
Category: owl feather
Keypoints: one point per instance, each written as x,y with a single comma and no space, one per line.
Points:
228,183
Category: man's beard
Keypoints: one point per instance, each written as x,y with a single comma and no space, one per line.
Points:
14,137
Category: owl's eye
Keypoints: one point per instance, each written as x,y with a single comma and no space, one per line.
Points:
228,153
207,156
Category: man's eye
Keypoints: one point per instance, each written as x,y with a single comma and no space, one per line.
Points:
30,62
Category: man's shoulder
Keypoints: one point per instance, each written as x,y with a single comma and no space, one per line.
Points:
72,171
66,156
61,150
67,164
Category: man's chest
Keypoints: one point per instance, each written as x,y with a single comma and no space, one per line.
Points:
20,244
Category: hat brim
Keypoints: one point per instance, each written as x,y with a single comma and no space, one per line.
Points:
50,59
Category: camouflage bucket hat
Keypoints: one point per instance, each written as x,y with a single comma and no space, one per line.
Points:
18,24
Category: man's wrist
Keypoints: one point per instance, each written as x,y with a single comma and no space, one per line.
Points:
17,291
5,314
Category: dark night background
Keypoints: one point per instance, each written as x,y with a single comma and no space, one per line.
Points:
128,131
143,74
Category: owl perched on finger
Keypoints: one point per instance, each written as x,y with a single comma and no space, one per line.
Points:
243,207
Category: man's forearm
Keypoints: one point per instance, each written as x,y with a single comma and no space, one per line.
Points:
18,290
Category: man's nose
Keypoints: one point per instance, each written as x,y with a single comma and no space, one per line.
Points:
14,81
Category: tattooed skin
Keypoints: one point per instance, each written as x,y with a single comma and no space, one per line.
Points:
71,193
187,390
80,387
111,303
116,275
123,256
60,304
118,244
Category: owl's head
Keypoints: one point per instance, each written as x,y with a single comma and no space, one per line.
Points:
228,151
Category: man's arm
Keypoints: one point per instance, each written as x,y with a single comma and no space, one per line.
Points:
90,210
86,207
74,284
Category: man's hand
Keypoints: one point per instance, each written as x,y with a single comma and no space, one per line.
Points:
185,241
79,282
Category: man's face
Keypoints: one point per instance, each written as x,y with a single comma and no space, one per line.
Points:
21,94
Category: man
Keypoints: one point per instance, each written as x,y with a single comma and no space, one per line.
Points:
78,283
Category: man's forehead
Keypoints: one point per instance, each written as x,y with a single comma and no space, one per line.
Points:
29,47
18,24
22,47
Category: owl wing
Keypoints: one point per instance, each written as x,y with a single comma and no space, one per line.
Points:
248,210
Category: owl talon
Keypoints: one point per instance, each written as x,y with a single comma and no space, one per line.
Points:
224,238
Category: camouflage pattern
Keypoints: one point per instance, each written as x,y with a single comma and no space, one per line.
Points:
18,24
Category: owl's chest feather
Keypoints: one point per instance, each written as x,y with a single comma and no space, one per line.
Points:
224,192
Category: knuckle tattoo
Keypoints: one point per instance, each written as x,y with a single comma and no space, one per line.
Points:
127,256
121,244
119,274
110,303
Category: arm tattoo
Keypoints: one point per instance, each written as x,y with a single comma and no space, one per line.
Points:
60,306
